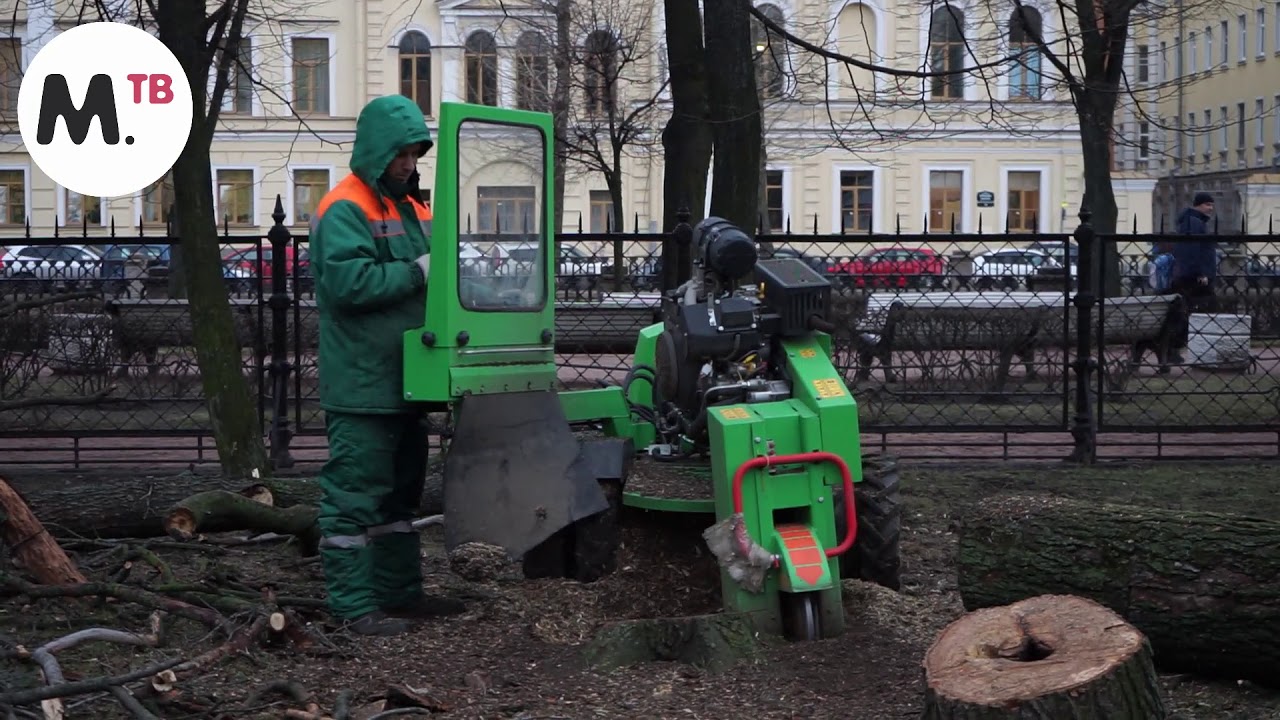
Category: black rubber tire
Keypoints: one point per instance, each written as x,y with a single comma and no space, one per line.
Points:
876,553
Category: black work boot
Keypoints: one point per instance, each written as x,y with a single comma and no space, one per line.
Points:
378,623
423,607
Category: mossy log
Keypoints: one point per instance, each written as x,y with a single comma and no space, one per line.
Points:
134,506
1050,656
221,511
1203,587
712,642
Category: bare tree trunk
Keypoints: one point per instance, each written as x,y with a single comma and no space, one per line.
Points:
735,114
232,410
614,180
560,103
686,140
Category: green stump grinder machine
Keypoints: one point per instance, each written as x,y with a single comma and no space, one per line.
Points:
734,381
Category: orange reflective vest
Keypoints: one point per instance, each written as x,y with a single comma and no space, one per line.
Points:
384,220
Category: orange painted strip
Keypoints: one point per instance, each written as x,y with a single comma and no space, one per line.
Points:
805,556
809,573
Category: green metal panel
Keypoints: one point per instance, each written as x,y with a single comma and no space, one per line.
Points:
819,386
486,330
773,496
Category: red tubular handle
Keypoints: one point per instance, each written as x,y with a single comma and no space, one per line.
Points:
850,512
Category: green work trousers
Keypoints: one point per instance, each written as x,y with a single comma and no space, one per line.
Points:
372,487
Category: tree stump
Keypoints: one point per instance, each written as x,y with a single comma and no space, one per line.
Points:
1050,656
31,544
712,642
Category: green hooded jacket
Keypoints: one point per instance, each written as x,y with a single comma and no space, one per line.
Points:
369,290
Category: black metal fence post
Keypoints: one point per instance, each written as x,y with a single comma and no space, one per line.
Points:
1084,429
280,302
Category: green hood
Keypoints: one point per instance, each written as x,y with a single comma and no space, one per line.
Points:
385,125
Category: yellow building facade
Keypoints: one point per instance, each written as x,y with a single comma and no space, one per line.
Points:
996,150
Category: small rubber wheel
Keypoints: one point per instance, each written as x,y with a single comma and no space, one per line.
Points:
801,617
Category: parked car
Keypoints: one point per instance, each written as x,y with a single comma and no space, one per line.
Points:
575,268
1009,268
56,264
898,267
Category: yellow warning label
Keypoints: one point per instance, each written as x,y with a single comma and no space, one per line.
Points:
808,353
828,388
734,413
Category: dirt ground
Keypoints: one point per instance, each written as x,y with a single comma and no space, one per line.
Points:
517,651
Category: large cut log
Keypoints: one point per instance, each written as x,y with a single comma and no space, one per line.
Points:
222,510
1203,587
31,545
1050,656
133,506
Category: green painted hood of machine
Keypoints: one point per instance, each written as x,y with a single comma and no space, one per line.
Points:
385,125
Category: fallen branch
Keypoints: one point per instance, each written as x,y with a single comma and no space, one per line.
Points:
82,687
60,400
9,308
207,616
164,680
31,543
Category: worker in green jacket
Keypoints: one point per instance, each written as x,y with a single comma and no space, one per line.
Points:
370,256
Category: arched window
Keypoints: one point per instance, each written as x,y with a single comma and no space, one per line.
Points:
481,54
415,69
1025,26
946,53
533,72
600,71
770,53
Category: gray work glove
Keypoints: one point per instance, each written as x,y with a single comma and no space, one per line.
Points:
424,262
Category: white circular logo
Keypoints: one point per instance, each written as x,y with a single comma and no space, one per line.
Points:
104,109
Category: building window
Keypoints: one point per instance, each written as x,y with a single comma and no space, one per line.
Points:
1144,140
770,53
1262,30
1260,110
311,76
533,72
238,99
602,212
79,208
482,69
946,52
505,209
1244,36
1191,66
773,201
415,69
1025,25
1208,48
857,200
946,199
601,73
309,186
13,197
1226,46
1144,64
235,197
157,201
1240,126
10,75
1024,201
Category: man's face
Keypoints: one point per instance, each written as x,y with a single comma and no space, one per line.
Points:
404,163
1206,208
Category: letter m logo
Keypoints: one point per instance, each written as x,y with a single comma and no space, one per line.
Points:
99,102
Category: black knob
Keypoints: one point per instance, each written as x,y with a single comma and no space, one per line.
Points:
546,336
464,337
429,339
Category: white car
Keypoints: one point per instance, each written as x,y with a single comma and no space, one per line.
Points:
51,263
1009,268
575,269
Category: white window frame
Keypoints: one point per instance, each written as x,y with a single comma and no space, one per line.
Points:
1191,66
255,102
785,169
26,189
1208,49
287,90
967,7
1046,183
966,195
1225,26
60,209
1261,31
877,196
1242,22
289,219
255,211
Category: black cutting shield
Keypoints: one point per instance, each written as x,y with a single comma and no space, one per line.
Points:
512,476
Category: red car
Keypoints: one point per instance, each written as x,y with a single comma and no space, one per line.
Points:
893,267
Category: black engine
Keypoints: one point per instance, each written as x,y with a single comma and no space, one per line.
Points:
719,338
